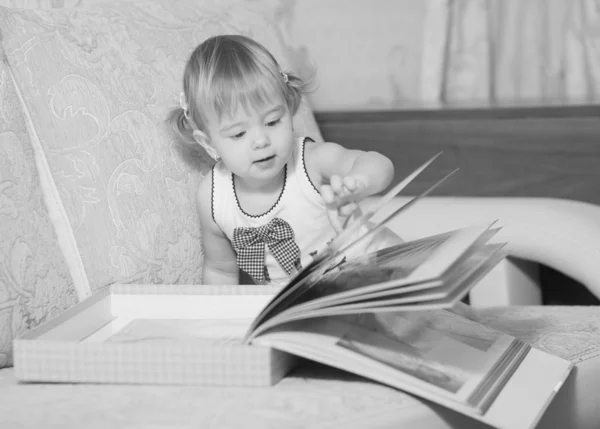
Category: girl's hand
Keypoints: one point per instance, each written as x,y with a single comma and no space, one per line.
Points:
341,196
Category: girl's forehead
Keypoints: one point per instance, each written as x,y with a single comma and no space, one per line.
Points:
249,106
249,109
228,101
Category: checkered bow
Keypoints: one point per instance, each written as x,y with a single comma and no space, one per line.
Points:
249,244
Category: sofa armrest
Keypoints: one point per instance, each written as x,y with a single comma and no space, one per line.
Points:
559,233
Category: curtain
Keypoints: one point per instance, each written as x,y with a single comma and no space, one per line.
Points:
518,52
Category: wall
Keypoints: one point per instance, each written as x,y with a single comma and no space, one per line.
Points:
405,54
365,54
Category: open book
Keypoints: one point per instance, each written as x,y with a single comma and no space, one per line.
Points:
390,315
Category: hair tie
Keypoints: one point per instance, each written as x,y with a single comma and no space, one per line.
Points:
285,77
183,105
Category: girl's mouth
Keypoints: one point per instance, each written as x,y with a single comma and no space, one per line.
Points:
268,158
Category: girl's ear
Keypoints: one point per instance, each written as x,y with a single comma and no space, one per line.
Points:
203,140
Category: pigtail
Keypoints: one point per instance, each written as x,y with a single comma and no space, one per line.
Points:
183,134
295,88
179,125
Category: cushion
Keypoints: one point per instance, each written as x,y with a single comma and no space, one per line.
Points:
96,84
35,283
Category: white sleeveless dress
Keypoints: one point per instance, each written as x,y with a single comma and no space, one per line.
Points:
270,247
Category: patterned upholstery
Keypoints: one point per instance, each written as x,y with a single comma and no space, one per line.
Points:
96,85
35,283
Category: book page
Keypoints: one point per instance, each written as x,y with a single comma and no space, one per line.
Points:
437,354
419,352
348,278
482,260
428,296
355,288
362,275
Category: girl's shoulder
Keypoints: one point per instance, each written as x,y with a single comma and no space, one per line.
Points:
204,198
317,154
313,149
310,151
205,185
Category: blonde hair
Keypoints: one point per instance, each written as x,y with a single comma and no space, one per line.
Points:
225,72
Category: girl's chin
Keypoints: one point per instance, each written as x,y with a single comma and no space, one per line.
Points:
262,175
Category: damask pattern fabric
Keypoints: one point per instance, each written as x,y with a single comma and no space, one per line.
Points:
98,84
34,280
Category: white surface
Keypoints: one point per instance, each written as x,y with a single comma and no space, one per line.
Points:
561,234
520,285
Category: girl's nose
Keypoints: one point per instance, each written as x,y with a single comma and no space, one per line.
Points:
261,140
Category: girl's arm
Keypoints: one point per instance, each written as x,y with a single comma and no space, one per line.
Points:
343,175
220,265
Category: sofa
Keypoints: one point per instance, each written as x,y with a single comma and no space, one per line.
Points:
96,190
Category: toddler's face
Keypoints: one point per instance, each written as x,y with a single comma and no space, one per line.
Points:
254,144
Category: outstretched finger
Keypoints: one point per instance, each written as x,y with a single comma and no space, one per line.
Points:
350,184
348,209
328,194
334,220
337,185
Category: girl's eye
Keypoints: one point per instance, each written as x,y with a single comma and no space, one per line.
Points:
273,123
238,135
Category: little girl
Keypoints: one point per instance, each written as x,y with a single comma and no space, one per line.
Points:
271,199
